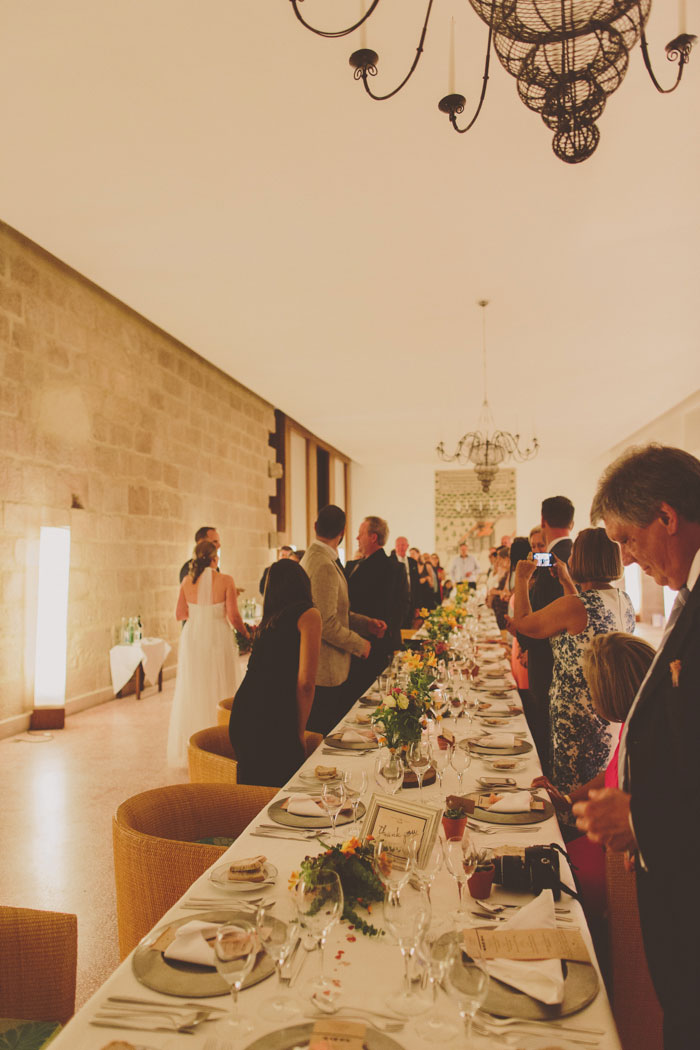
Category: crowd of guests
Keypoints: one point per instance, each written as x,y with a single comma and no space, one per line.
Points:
615,724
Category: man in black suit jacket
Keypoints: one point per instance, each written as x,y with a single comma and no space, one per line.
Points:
410,567
207,532
377,588
557,522
649,500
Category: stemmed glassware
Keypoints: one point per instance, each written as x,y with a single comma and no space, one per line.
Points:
442,758
468,984
437,950
460,860
319,907
461,759
277,938
424,873
332,800
418,758
235,948
407,916
389,772
355,781
393,868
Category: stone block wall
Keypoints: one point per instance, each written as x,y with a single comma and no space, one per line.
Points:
97,403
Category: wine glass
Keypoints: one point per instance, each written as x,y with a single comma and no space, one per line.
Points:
468,984
277,938
389,772
437,950
424,872
460,860
332,801
319,907
442,758
392,867
406,916
235,948
418,758
461,759
355,781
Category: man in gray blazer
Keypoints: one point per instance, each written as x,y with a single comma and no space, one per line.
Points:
342,631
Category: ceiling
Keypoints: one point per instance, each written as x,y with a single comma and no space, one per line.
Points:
215,166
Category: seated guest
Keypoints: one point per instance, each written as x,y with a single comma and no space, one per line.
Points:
272,705
582,742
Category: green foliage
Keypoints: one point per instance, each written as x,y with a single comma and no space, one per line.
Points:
352,862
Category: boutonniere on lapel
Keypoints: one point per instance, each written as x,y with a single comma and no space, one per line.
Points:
675,669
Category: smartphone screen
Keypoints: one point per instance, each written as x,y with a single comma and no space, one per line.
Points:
544,560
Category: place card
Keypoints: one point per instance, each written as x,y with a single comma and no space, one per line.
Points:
332,1033
525,944
467,804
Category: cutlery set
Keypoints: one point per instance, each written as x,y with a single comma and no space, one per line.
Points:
148,1015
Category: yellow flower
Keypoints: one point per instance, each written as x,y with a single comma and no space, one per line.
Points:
432,660
423,613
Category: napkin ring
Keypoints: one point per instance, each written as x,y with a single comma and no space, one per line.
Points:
675,669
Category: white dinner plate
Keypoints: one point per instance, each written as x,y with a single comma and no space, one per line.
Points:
218,876
492,763
310,778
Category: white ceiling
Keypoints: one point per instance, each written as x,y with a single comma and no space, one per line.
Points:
215,166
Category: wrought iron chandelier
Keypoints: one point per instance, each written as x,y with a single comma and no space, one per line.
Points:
487,448
567,57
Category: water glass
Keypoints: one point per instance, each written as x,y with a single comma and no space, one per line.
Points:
236,947
389,772
332,801
424,872
407,916
460,860
461,759
277,939
468,984
418,758
437,951
319,908
392,867
355,781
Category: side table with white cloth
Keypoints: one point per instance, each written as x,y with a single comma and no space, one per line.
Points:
365,968
145,657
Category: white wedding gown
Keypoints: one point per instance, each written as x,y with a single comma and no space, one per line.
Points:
208,670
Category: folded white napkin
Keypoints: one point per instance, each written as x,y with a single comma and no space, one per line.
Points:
497,740
357,736
513,802
543,979
189,944
302,805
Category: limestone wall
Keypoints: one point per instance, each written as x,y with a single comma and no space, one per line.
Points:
153,441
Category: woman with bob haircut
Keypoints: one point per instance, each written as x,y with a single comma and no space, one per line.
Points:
582,740
270,710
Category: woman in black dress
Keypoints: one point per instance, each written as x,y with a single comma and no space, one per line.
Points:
270,709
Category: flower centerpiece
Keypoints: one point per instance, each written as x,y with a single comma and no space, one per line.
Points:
442,621
402,714
353,863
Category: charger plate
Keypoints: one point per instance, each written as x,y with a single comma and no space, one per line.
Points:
298,1035
277,813
334,740
533,817
173,977
521,747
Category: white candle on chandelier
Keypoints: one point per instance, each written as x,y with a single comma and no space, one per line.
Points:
682,16
451,66
363,31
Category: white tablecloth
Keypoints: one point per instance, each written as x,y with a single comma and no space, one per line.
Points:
151,653
367,968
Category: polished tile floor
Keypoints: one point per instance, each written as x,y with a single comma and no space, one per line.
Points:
58,796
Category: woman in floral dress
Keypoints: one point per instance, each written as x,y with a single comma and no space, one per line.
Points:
582,741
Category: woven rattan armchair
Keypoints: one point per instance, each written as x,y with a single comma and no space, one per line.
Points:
223,711
311,742
156,853
636,1009
38,957
211,758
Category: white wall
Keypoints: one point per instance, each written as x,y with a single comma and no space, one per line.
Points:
403,494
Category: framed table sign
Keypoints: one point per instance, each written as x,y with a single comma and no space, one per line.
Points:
398,822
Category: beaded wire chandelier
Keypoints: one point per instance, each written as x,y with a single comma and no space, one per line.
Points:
567,57
486,448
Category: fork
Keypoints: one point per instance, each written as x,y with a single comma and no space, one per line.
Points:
484,1029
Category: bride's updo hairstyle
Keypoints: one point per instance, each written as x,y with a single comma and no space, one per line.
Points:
201,558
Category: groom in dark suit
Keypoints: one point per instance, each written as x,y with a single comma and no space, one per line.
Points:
557,522
649,500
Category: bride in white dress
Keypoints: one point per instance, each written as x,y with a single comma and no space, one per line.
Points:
208,668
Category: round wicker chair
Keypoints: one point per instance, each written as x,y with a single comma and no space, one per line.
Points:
156,855
223,711
311,742
211,758
38,957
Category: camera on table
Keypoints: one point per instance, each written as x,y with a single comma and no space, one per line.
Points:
536,870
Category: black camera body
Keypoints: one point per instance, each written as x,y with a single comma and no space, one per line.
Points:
538,870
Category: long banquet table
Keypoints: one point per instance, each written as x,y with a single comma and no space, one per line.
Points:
367,968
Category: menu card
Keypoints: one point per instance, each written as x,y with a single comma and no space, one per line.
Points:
526,944
332,1033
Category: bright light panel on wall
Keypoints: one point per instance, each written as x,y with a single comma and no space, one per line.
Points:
52,618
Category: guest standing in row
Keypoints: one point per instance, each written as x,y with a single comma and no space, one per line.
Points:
208,668
206,532
271,708
465,567
410,565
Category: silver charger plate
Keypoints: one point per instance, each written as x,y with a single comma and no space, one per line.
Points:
300,1034
189,980
334,740
521,747
580,989
291,820
533,817
369,701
